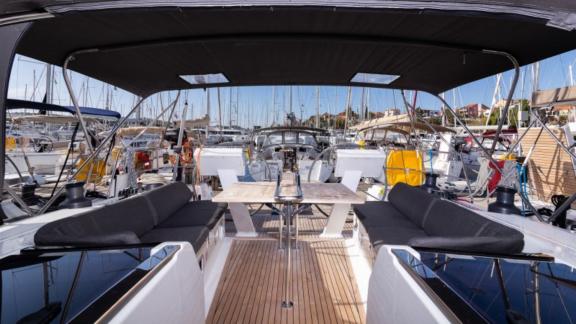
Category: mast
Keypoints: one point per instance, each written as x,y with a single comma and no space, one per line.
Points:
237,106
348,100
362,104
230,108
108,97
219,113
176,176
138,112
368,103
335,111
33,96
495,96
49,83
290,99
273,105
266,117
86,93
535,76
317,107
443,108
454,104
208,104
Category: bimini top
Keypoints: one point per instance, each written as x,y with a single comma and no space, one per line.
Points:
311,130
150,46
96,112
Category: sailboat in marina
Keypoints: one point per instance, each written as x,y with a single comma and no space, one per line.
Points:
379,223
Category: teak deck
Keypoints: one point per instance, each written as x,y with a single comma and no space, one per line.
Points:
323,284
323,288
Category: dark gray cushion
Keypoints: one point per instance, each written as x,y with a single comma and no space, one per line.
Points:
66,231
167,199
110,239
497,229
195,235
480,244
450,220
457,228
119,223
412,202
393,235
196,213
131,214
416,218
381,213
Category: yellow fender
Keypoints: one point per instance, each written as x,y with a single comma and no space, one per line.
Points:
10,143
405,166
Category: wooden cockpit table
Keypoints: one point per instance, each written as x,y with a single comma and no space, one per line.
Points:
293,200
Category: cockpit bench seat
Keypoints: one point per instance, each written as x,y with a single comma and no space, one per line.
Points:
161,215
418,219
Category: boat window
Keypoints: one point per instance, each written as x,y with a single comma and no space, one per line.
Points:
290,138
492,289
68,284
274,139
306,139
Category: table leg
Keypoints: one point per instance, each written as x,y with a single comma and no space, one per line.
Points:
287,303
336,221
281,228
296,223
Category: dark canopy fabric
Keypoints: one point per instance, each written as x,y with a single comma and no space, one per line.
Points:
146,50
24,104
528,7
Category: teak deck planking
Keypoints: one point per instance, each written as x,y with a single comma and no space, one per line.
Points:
323,285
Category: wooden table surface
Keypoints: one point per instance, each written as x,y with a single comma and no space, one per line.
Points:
263,192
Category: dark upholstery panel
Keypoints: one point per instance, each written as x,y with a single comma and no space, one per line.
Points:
132,214
497,229
167,199
450,220
412,202
196,235
110,239
196,213
413,217
61,231
393,235
480,244
381,213
119,223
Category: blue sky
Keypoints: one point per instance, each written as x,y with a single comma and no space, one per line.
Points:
255,103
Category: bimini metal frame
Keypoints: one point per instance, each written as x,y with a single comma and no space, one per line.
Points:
358,39
75,100
94,153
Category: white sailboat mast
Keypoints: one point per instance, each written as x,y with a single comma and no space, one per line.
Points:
317,124
49,76
495,96
348,101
